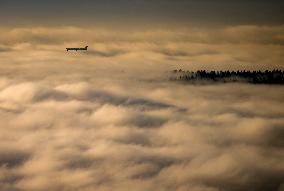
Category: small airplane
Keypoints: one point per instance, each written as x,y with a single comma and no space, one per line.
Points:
86,48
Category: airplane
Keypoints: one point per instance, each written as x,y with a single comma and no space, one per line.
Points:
86,48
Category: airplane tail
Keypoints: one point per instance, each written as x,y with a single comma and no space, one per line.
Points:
86,47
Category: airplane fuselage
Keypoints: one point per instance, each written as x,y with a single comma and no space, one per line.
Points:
76,49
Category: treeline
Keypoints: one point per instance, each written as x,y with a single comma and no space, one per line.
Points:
255,77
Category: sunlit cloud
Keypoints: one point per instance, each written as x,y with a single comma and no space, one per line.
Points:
253,47
110,118
65,137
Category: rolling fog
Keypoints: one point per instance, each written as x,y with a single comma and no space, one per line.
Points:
110,119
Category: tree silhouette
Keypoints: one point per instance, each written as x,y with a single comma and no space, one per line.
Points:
255,77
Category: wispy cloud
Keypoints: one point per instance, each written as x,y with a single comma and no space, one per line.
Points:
235,47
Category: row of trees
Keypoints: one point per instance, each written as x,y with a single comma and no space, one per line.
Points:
256,77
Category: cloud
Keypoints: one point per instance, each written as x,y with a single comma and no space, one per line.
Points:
232,47
5,49
111,119
28,92
93,138
110,53
60,35
12,158
83,91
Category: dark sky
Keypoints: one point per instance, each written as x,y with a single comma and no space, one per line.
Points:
92,12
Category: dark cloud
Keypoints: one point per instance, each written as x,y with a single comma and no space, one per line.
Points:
5,49
105,97
181,53
12,158
111,53
80,162
147,121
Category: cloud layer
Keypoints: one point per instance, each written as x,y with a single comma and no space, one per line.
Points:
76,136
110,119
233,47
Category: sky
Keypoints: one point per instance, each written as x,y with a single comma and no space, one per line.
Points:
110,118
141,12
